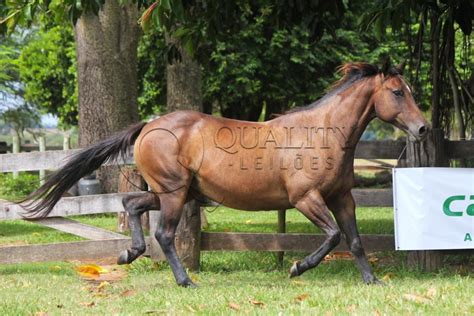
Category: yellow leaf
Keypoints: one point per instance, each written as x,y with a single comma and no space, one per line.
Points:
298,282
55,268
234,306
90,270
431,293
388,276
190,308
102,285
302,297
87,304
256,303
351,308
248,221
416,298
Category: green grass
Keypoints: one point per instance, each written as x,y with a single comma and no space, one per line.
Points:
333,288
235,278
370,220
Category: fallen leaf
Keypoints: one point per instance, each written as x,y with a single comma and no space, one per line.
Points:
416,298
234,306
377,313
302,297
190,308
256,303
388,276
55,268
351,308
431,293
102,285
249,221
127,293
298,282
339,255
87,304
373,259
90,270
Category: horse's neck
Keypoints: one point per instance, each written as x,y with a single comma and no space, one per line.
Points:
348,112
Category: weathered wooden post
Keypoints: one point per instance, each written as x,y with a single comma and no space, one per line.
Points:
281,230
15,148
188,236
429,153
131,181
42,148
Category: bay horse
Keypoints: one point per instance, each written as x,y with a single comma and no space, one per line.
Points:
302,159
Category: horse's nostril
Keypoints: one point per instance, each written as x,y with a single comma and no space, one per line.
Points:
422,130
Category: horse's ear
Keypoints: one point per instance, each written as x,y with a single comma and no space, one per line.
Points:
387,64
400,68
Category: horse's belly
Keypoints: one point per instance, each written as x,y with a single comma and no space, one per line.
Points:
244,193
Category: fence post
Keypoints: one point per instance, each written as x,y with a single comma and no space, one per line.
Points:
15,148
188,236
281,230
131,181
42,148
429,153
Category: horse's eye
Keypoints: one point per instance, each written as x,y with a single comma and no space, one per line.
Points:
398,93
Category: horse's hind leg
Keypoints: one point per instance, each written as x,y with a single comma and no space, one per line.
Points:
171,210
312,205
344,211
136,205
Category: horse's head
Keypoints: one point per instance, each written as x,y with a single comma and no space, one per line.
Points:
394,104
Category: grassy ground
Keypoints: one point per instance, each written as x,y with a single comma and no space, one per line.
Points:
250,283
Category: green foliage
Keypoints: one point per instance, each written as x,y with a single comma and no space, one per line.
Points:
19,187
151,75
48,71
20,118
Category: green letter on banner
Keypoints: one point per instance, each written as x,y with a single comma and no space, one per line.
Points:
448,202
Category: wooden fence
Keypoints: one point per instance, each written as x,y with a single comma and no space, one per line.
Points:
103,243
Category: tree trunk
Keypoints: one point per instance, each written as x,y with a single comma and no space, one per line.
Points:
106,48
435,95
428,153
184,93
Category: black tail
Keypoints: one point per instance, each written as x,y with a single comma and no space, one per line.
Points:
40,202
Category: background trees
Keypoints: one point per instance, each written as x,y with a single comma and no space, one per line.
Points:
249,54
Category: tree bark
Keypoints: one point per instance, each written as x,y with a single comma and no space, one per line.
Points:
184,93
428,153
106,48
435,95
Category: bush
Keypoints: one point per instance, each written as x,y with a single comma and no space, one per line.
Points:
19,187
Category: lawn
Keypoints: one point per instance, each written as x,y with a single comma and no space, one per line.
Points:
233,282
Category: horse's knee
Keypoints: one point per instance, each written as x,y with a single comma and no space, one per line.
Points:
356,247
164,238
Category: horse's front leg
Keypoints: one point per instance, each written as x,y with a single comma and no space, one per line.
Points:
135,205
312,205
344,211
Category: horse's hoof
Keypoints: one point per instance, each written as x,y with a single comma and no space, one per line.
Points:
294,270
188,284
123,258
375,281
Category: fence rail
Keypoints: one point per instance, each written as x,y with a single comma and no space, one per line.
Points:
109,244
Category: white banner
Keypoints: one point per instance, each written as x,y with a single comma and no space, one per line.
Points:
433,208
